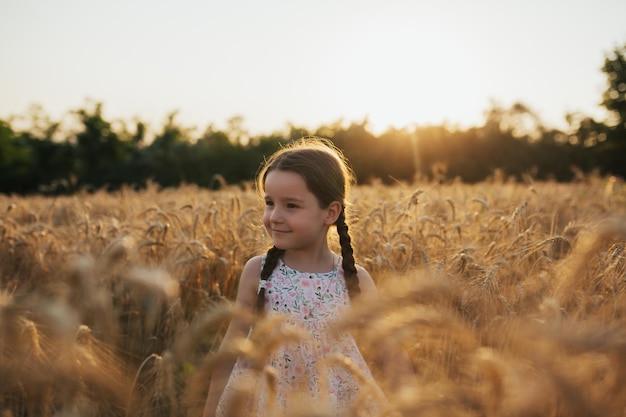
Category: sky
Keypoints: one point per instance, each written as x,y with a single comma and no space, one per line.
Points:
398,63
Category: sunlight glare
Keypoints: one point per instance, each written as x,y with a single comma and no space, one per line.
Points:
403,75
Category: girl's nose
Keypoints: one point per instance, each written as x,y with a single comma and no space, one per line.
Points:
276,215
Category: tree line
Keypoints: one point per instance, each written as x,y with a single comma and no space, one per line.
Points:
512,141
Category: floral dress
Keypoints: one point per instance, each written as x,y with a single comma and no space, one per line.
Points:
316,369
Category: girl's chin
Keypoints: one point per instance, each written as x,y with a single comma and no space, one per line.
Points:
277,241
280,244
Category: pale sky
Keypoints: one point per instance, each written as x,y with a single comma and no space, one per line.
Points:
273,62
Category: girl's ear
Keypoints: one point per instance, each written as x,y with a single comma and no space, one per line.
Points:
332,212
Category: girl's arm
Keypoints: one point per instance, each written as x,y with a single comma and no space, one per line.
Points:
246,300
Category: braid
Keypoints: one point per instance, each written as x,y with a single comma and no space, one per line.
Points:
348,264
268,267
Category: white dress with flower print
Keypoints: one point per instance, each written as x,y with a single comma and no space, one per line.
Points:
304,373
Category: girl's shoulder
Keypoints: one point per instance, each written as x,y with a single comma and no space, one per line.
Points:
366,283
255,263
251,273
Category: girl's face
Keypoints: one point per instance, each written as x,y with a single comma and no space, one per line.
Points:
293,216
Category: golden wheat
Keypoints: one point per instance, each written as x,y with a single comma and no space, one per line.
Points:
509,298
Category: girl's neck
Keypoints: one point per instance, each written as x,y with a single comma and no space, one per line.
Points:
323,260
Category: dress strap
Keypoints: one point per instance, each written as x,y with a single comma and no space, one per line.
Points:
262,282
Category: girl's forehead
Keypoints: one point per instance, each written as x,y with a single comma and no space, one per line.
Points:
284,178
285,182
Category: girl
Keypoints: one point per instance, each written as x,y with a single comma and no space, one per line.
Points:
306,283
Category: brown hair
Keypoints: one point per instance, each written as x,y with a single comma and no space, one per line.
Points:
329,177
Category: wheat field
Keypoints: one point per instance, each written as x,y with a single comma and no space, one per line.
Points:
510,298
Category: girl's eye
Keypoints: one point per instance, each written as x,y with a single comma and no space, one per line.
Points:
291,205
269,203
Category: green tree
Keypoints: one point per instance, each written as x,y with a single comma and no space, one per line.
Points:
168,156
53,170
102,154
16,162
614,97
34,159
613,146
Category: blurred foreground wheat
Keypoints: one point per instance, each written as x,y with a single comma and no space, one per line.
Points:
509,298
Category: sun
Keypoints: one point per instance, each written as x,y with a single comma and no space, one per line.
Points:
408,74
